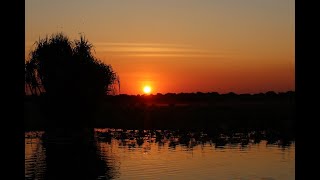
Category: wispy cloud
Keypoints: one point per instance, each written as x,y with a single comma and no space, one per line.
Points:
140,44
148,50
154,50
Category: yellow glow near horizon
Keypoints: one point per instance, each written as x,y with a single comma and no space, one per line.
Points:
147,89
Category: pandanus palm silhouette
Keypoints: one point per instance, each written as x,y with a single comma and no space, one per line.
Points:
63,66
72,83
71,80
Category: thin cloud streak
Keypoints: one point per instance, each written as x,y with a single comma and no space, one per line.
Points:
148,50
140,44
155,50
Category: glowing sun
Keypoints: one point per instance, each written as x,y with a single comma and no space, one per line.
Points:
147,89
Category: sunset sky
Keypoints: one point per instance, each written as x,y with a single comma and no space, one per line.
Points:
241,46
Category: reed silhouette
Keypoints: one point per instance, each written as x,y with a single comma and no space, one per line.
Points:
190,138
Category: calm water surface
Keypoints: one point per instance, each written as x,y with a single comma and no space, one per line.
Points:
129,156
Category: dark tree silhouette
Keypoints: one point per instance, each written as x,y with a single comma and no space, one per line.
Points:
71,80
72,83
63,67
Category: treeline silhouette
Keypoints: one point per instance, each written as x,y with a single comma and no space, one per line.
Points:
198,97
210,111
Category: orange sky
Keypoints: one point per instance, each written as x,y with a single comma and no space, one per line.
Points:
180,46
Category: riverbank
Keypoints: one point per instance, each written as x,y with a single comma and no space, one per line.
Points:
185,111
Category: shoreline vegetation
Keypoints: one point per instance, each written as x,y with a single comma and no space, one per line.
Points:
192,111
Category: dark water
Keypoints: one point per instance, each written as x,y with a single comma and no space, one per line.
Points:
169,155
